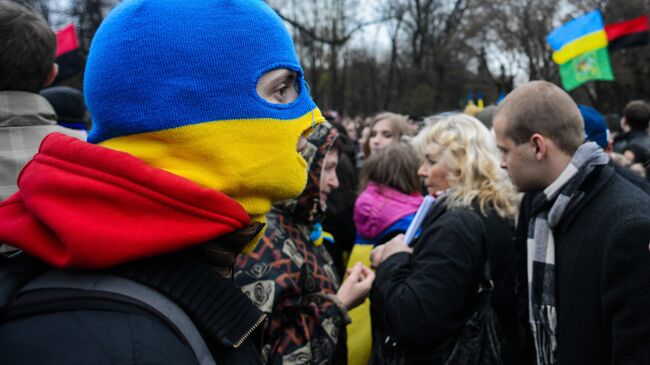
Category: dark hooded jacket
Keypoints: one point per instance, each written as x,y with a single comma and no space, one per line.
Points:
340,202
292,278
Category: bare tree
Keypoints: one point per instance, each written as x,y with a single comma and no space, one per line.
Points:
324,25
395,12
88,14
522,27
437,50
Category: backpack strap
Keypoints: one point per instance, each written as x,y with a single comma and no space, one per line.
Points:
16,270
88,289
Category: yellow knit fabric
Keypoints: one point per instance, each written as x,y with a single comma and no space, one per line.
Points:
254,161
359,332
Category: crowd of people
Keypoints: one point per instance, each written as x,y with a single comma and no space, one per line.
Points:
202,210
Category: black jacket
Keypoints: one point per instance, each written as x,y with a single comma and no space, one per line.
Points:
632,177
602,273
631,138
107,333
422,300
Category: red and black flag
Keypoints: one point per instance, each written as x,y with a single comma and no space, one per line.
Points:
629,33
67,53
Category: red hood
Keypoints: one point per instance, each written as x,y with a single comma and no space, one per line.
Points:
86,206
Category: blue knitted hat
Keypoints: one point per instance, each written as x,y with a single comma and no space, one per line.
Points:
155,65
173,82
595,126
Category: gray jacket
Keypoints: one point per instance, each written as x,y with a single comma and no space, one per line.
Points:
25,119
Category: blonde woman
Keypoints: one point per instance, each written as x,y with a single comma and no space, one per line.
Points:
424,294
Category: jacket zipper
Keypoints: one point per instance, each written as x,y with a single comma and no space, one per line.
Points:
250,331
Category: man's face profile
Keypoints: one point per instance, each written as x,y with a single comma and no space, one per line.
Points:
518,160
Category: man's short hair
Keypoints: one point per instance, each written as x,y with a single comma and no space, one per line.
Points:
541,107
28,46
637,115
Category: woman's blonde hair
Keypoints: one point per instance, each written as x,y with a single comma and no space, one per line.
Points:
474,174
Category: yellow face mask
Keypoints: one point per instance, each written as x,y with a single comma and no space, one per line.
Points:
254,161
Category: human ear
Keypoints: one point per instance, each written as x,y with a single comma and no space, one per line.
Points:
51,75
539,145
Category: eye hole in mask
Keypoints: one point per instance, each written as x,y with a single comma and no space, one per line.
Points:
279,86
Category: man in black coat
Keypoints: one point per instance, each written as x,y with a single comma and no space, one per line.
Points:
635,120
583,235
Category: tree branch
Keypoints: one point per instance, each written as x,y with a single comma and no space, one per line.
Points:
333,41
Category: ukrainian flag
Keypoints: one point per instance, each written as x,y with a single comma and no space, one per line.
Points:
581,35
581,50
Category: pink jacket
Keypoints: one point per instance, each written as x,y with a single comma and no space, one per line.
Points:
378,207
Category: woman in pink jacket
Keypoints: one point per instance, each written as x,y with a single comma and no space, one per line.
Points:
385,208
390,194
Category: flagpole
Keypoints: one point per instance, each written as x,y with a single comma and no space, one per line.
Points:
591,96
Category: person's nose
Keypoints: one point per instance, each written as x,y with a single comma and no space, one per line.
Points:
335,182
422,172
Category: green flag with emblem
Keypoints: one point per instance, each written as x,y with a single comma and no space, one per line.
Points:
589,66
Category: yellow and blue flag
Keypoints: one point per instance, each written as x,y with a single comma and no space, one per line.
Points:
576,28
580,48
580,35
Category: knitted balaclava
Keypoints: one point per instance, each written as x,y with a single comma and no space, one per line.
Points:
174,83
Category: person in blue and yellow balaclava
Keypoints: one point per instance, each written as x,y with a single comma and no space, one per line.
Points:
199,110
189,102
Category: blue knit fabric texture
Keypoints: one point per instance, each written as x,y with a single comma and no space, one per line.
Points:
161,64
595,126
